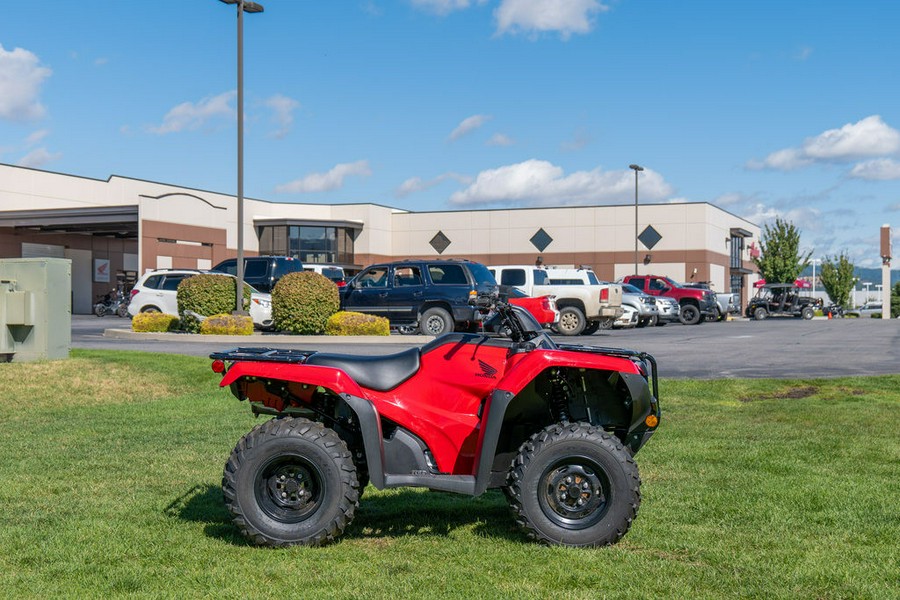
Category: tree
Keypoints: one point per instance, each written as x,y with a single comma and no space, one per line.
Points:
837,278
780,260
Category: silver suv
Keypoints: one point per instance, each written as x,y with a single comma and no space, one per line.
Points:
643,304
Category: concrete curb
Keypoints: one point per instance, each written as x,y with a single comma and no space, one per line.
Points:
258,339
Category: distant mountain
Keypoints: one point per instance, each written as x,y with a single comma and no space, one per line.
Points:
873,276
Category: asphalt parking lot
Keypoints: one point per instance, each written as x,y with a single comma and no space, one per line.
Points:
778,348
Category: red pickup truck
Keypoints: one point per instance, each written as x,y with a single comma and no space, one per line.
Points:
696,304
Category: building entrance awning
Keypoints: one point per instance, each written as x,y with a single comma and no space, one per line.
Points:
105,221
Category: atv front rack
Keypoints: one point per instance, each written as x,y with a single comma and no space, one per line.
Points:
621,353
264,355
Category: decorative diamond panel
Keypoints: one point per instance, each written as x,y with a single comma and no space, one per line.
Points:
440,242
649,237
541,239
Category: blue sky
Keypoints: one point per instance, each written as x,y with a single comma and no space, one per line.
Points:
764,108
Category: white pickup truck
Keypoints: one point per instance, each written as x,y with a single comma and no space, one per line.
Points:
585,304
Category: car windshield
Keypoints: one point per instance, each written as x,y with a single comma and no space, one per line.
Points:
481,274
630,289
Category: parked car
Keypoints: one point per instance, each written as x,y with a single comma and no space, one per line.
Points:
696,304
261,272
430,295
726,303
643,304
585,303
157,291
629,318
869,309
332,272
669,311
542,308
781,299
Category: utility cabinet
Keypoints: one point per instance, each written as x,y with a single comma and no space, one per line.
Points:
35,308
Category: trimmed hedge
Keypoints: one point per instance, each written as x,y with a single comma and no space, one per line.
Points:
303,301
354,323
154,322
206,295
226,324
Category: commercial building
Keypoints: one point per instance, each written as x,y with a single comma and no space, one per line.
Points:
115,229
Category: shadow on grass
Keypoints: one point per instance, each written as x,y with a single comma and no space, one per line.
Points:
204,504
398,513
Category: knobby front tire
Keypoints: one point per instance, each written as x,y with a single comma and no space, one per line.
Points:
574,485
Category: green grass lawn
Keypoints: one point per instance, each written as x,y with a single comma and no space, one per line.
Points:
111,465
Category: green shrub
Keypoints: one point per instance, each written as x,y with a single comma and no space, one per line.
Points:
227,324
206,295
354,323
302,302
154,322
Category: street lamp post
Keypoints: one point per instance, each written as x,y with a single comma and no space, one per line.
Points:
637,169
242,7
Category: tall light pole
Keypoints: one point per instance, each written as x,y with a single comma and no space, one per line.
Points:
637,169
242,7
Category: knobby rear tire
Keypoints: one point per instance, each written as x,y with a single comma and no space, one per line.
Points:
291,481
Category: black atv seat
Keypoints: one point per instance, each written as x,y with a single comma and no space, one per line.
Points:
381,373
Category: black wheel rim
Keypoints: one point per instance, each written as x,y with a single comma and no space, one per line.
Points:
574,493
289,489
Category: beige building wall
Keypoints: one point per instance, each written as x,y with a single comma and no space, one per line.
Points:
186,227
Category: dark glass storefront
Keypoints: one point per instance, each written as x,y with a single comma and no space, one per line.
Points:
311,242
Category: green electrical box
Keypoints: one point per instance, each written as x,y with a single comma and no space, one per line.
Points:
35,308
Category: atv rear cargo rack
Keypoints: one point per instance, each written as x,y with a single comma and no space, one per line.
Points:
285,355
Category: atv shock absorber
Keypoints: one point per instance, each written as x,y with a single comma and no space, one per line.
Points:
559,395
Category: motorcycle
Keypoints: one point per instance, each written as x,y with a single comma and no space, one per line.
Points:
113,302
555,426
833,311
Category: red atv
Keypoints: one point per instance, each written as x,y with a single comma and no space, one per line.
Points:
554,426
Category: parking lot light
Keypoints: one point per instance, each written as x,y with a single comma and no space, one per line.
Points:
242,7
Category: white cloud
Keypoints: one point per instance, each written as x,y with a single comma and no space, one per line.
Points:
540,183
538,16
417,184
879,169
468,125
38,158
36,136
190,116
283,113
323,182
869,137
500,139
444,7
803,53
21,77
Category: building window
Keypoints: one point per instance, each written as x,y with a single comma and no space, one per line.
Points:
311,244
737,252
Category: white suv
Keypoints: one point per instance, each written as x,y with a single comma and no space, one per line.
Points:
157,291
